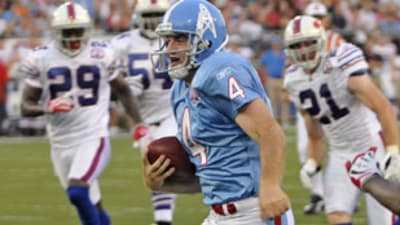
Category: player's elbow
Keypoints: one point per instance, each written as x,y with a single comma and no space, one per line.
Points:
395,206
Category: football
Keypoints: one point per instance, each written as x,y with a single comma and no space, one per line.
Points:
172,149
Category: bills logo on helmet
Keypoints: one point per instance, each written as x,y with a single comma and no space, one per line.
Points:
205,22
317,24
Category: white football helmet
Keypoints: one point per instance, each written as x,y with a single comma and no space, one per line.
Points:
71,25
304,41
148,14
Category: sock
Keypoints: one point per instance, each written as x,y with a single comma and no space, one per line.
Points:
163,206
317,184
104,217
79,197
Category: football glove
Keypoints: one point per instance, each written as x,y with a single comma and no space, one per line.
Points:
390,166
363,167
60,104
308,170
141,136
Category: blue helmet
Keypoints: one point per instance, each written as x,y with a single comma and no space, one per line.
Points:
205,27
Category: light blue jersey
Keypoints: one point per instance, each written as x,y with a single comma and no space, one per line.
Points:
226,158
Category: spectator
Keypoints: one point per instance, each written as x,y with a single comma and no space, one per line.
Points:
235,45
387,76
390,25
367,19
273,62
338,20
3,95
119,17
272,17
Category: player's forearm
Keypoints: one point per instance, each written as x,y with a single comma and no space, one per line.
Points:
387,119
30,106
273,155
31,109
387,193
316,150
129,103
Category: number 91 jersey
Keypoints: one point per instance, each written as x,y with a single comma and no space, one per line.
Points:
325,96
152,89
85,78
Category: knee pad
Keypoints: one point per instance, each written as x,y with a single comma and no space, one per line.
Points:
77,194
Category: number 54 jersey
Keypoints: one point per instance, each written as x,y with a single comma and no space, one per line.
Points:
151,89
346,121
85,79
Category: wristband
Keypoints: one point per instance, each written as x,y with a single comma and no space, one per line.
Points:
313,164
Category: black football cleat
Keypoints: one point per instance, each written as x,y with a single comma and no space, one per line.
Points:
315,206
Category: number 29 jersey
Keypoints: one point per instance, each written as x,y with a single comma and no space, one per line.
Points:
346,121
151,89
85,79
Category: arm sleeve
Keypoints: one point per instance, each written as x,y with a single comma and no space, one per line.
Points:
351,61
230,88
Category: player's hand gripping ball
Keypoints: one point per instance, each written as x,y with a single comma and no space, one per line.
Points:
172,149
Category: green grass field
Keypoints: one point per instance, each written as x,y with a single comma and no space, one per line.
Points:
30,193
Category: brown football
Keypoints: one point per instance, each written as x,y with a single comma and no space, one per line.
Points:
172,149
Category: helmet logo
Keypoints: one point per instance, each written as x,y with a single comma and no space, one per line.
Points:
317,24
205,22
71,11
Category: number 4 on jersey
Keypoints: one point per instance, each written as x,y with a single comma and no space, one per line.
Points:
234,89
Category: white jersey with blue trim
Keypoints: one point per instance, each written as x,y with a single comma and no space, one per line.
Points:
226,158
324,94
84,78
152,89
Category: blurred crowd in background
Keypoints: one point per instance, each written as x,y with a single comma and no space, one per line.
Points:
255,28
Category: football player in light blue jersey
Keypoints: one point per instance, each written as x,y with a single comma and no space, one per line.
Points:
224,122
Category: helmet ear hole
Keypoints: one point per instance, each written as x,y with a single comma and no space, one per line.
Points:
205,44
